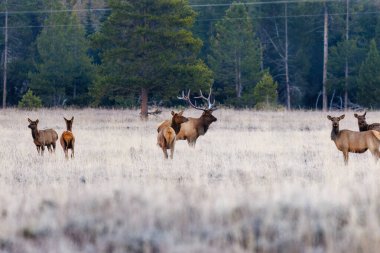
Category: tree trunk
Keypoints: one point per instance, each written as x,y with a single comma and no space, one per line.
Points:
286,59
325,58
5,57
144,103
346,67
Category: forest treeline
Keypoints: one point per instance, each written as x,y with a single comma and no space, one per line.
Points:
295,54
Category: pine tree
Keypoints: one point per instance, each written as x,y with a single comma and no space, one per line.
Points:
369,79
63,69
147,48
235,52
265,92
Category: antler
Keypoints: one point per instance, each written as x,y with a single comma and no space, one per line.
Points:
187,99
211,106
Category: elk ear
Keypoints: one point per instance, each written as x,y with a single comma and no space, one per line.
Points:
329,117
342,117
364,113
355,115
72,118
30,121
173,113
180,113
65,119
37,121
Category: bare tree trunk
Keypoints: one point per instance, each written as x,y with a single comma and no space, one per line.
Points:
325,58
144,103
5,57
286,59
346,68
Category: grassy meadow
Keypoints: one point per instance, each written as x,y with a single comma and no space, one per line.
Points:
256,182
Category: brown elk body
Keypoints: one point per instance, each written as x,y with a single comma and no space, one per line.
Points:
364,126
42,138
67,139
167,133
354,142
196,127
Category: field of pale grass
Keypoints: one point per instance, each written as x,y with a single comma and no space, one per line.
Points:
256,182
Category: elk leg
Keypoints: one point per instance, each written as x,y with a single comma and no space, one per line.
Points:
376,154
72,152
165,152
38,149
42,150
191,142
345,156
66,153
53,144
49,148
172,150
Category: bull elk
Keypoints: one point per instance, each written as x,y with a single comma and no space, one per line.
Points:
196,127
67,139
42,138
363,126
167,133
354,142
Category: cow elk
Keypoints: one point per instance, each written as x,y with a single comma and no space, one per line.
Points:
167,133
67,139
363,126
354,142
196,127
42,138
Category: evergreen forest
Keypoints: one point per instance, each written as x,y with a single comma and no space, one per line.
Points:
305,54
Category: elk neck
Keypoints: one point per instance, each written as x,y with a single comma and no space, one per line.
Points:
35,133
364,127
69,127
175,126
334,133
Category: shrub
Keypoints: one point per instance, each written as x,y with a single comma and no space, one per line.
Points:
29,101
265,92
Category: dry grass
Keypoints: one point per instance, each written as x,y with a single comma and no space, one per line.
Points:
257,182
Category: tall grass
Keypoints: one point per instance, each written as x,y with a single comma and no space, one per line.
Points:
256,182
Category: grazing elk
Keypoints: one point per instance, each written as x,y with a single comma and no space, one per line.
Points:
196,127
67,138
43,138
354,142
167,133
363,126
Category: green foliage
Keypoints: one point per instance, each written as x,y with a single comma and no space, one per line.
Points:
265,92
235,56
148,44
29,101
63,69
369,79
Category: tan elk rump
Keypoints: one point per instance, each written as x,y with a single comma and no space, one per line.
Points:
364,126
42,138
67,139
349,141
167,133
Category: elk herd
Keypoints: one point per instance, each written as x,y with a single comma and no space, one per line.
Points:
49,137
347,141
180,127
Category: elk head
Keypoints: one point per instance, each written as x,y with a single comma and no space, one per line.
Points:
33,124
335,120
207,111
69,123
361,120
178,118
